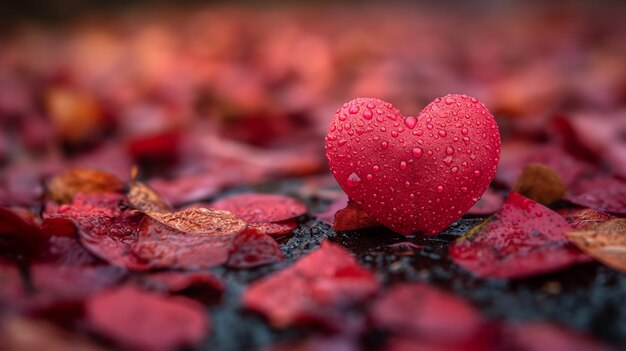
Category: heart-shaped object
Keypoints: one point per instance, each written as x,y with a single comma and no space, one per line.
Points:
414,173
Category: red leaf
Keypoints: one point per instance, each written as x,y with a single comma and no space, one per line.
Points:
275,229
580,218
523,239
311,289
605,194
353,218
202,286
147,321
63,246
261,208
19,239
104,229
163,246
423,312
488,204
252,248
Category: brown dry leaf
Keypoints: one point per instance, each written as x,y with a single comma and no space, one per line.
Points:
606,242
201,221
540,183
76,116
353,218
145,199
64,186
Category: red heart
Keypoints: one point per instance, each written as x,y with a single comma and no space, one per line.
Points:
414,173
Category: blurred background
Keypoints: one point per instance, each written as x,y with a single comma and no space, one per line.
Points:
208,95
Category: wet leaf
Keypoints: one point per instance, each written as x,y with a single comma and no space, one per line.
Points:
162,246
147,321
523,239
252,248
201,221
606,242
314,289
103,228
64,186
353,218
540,183
275,229
261,208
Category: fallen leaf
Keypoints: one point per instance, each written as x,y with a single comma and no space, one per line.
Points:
64,186
581,218
540,183
604,193
275,229
103,228
252,248
353,218
261,208
425,313
201,221
145,198
147,321
20,240
314,289
489,203
606,242
523,239
201,286
162,246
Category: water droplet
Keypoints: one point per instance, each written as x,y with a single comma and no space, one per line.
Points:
429,126
353,180
410,122
442,133
418,132
464,189
466,140
403,165
464,131
342,142
449,150
417,152
354,109
474,100
367,114
477,173
383,129
440,189
369,176
347,126
454,169
384,144
370,105
394,134
376,168
449,100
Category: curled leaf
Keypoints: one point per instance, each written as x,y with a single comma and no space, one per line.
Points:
606,242
275,229
540,183
201,221
63,187
606,194
252,248
145,198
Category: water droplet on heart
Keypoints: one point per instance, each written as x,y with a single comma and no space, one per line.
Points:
370,105
354,180
464,131
394,134
384,144
477,173
417,152
418,132
466,140
464,189
342,142
429,126
376,168
442,133
474,100
347,126
440,189
343,117
354,109
369,176
449,150
403,165
367,114
454,169
383,129
449,100
410,122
